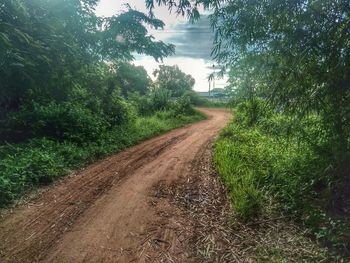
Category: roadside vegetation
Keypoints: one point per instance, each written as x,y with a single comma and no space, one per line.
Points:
277,166
69,94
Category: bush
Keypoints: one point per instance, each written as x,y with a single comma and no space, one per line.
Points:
183,106
117,111
160,99
195,99
199,101
23,166
65,121
142,104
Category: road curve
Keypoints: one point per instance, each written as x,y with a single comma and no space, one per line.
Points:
93,216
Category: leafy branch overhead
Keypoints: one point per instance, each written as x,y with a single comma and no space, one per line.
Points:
126,33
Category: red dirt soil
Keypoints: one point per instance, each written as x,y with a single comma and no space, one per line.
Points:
99,214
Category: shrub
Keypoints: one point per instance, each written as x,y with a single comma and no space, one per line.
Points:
160,99
65,121
117,111
142,104
32,164
195,99
183,106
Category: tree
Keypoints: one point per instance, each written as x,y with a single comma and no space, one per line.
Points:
173,79
132,78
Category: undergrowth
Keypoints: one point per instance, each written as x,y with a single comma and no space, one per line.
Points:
266,158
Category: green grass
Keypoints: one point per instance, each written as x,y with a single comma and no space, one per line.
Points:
265,163
41,161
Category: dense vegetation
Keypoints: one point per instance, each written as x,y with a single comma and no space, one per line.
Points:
271,168
69,94
288,63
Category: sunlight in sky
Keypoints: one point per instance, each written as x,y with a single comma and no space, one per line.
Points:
193,42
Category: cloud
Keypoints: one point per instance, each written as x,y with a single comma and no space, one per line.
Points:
193,40
109,8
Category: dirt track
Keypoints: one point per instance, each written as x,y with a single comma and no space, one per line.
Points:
101,213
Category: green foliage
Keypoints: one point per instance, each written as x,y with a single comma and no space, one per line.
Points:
174,80
48,48
271,157
117,111
132,79
64,121
23,166
199,101
126,33
298,59
196,99
244,169
142,104
183,106
249,113
160,99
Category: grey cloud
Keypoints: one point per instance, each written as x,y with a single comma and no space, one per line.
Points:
194,40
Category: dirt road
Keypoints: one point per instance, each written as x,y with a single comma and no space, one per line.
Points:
105,212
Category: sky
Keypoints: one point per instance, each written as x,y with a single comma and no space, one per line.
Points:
192,42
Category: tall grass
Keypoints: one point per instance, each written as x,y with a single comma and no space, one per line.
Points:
266,157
